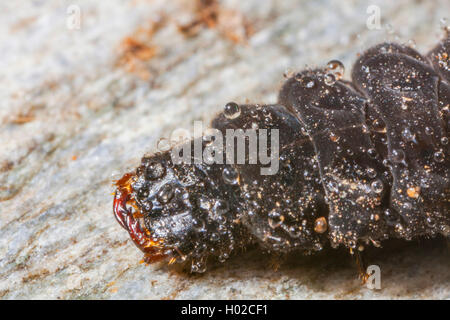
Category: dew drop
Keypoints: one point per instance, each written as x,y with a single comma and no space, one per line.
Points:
154,171
372,153
333,186
336,69
329,79
275,219
390,215
371,172
352,244
199,225
407,206
318,246
439,156
411,43
397,155
378,126
431,222
232,110
223,257
165,194
198,266
220,207
389,28
204,203
408,135
163,144
230,175
377,186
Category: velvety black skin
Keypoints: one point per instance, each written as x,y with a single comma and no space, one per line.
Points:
281,209
404,90
205,215
369,158
400,92
334,117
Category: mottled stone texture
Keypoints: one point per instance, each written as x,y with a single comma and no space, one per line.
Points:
80,107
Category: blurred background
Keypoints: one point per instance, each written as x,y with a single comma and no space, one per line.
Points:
88,87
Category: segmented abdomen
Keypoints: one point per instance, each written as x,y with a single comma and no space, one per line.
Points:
381,143
359,162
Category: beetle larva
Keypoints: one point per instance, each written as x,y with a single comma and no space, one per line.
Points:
359,162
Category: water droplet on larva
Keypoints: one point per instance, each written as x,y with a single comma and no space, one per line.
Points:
333,186
154,171
320,225
397,155
377,186
431,222
439,156
429,131
371,172
204,203
378,126
411,43
163,144
407,135
329,79
372,153
390,215
220,207
318,246
275,219
335,68
389,28
198,266
165,194
444,141
232,110
199,225
230,175
223,257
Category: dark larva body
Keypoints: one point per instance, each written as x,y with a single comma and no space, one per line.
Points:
359,162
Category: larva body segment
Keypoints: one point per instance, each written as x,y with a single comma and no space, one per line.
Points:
405,92
281,208
359,162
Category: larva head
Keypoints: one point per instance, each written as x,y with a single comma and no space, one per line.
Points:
178,212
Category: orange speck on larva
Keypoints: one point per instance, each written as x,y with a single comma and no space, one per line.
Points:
413,192
320,225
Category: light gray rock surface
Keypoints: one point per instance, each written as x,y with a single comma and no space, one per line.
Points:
79,107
